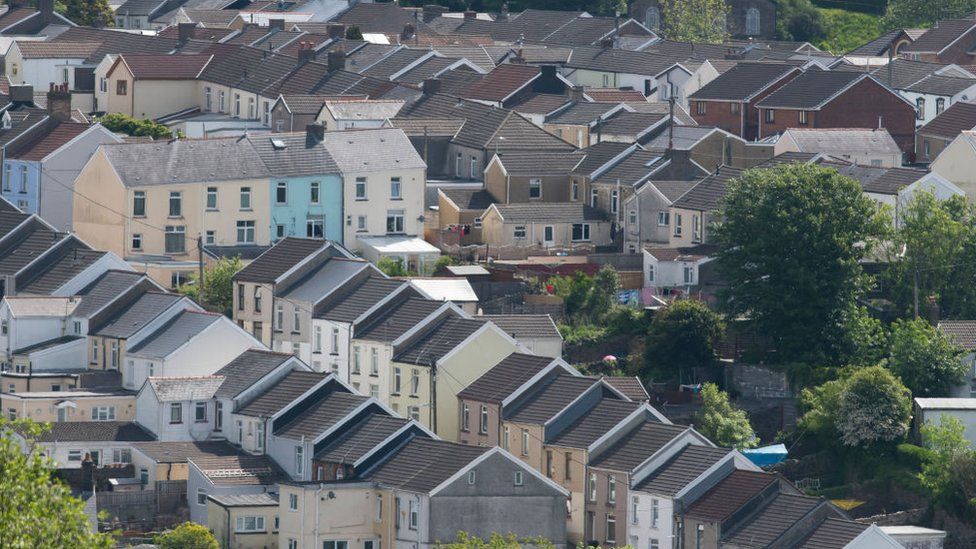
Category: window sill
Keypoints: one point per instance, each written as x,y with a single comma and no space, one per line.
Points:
174,217
362,199
212,210
176,423
246,210
201,421
396,199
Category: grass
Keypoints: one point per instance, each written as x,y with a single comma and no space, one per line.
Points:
847,30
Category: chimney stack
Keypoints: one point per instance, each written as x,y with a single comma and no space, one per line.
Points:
470,14
306,52
433,11
576,93
59,102
408,32
431,86
336,60
87,474
276,24
186,31
22,95
503,14
336,31
315,133
46,7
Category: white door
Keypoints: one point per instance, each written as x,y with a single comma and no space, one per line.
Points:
548,238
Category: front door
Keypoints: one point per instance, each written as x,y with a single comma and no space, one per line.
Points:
549,236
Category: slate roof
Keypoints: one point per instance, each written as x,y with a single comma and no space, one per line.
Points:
833,533
396,319
730,494
502,379
323,279
179,452
40,144
525,326
631,170
165,67
246,369
358,439
281,257
293,154
320,416
599,154
95,431
960,116
305,103
354,150
437,342
742,81
185,161
174,334
878,46
772,520
140,7
902,73
24,246
546,402
371,109
941,85
962,333
614,95
708,194
104,290
535,164
635,447
688,253
352,301
893,180
169,389
501,82
683,138
941,35
56,49
423,464
281,394
810,90
580,113
114,42
630,387
49,344
240,469
619,61
380,18
15,15
57,267
394,63
595,423
630,124
469,199
690,462
548,212
843,140
541,103
135,316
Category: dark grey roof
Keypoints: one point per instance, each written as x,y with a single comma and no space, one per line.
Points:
502,379
630,387
470,199
174,334
293,154
765,526
708,194
833,533
893,180
423,464
681,469
47,344
636,446
672,190
326,277
525,326
396,319
245,370
878,46
810,90
632,169
25,245
240,469
185,161
57,268
169,389
179,452
742,81
941,85
960,116
281,394
10,218
545,402
393,63
104,290
140,7
134,317
556,163
95,431
729,495
682,137
595,423
358,439
447,334
549,212
789,158
631,124
902,73
355,299
355,150
598,155
620,61
284,255
320,416
580,113
941,34
380,18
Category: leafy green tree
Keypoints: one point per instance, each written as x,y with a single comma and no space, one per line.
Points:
946,442
91,13
353,33
682,336
695,20
122,123
722,423
588,298
799,20
791,240
875,407
962,479
821,407
188,535
35,509
924,358
924,13
603,294
218,285
392,266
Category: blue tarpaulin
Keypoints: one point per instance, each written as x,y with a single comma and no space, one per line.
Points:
767,455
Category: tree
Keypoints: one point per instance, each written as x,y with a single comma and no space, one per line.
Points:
91,13
875,407
35,509
218,285
799,21
353,33
791,239
682,336
588,298
821,408
188,535
723,423
392,266
924,13
695,20
946,442
603,294
924,358
122,123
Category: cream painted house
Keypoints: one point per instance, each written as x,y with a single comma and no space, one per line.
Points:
151,86
75,405
955,163
544,226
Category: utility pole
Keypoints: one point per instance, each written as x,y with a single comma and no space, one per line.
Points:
200,269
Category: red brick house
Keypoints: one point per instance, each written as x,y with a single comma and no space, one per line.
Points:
728,102
827,99
950,41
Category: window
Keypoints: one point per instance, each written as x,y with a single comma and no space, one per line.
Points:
361,223
457,165
689,275
525,442
414,382
114,355
655,513
314,188
696,234
920,107
633,509
653,544
483,425
594,198
734,107
477,223
876,162
6,177
650,273
210,238
175,203
218,415
299,460
248,524
279,231
519,479
700,107
237,104
770,116
207,99
121,455
611,489
139,203
652,18
394,221
360,188
473,169
677,224
103,413
574,195
614,201
94,353
519,231
379,507
939,106
259,436
535,188
550,466
23,179
355,359
281,193
245,198
221,100
395,188
211,198
178,279
296,320
136,241
581,231
611,528
200,412
632,217
257,300
176,413
803,118
506,435
121,87
250,107
414,412
374,362
928,148
201,496
314,228
472,477
293,502
414,520
752,21
334,340
592,487
77,327
465,417
396,380
245,232
74,455
568,466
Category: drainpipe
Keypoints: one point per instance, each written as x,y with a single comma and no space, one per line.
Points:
228,525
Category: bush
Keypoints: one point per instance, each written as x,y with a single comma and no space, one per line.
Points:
121,123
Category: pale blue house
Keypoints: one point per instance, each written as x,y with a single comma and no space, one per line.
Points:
306,188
